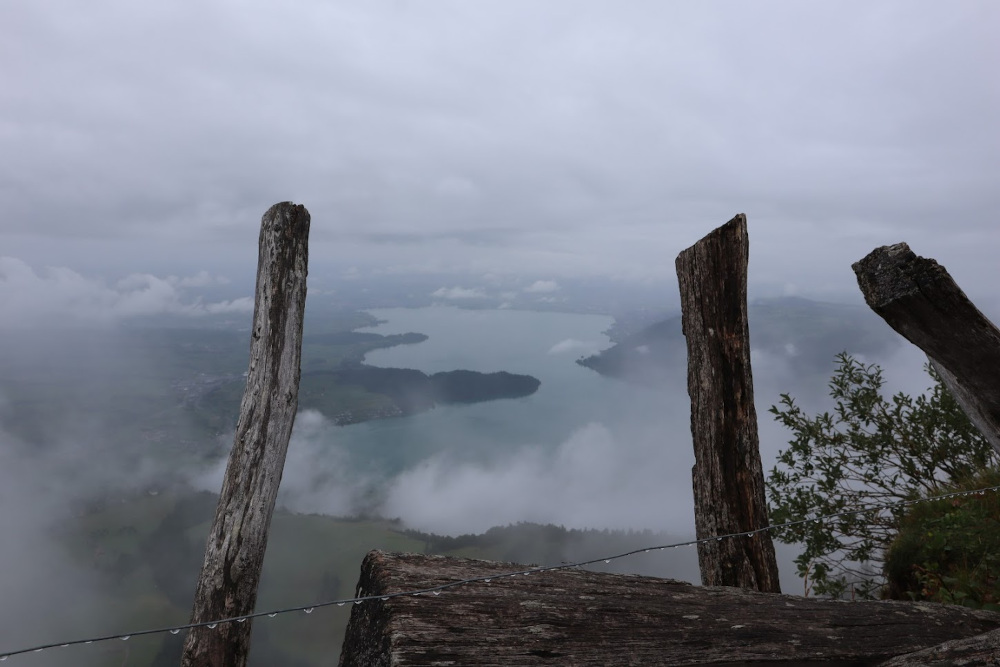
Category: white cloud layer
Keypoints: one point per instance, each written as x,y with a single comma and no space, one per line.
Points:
564,138
595,479
61,296
572,345
458,293
542,286
316,477
592,480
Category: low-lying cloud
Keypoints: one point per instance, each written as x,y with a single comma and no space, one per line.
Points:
459,293
317,477
595,479
59,296
542,287
572,345
49,588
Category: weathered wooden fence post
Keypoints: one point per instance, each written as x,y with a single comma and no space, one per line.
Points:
235,551
918,298
727,475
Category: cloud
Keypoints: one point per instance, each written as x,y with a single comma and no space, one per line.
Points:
201,279
61,296
572,345
318,476
456,186
49,574
592,480
37,572
542,287
605,159
459,293
144,150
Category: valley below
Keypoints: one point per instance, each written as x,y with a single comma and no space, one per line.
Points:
484,434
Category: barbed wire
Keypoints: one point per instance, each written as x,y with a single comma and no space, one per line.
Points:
436,590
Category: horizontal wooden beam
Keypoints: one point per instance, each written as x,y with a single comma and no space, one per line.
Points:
982,649
577,617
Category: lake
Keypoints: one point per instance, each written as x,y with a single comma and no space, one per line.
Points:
584,451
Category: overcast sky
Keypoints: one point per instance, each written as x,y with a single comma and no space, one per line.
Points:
545,139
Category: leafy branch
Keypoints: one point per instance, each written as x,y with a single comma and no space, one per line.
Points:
870,450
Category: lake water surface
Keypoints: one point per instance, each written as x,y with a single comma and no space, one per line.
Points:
544,345
584,451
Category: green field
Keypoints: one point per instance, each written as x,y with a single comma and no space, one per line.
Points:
147,553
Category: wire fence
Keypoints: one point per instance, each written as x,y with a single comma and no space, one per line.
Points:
437,590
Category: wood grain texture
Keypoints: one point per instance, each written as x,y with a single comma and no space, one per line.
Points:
576,617
728,477
234,554
981,649
919,299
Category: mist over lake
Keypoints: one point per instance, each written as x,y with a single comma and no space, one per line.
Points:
119,422
584,451
516,341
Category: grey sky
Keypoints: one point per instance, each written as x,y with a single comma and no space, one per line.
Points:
548,139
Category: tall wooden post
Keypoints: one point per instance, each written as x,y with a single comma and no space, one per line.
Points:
235,551
728,477
919,299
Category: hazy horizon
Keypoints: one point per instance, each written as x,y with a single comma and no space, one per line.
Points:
490,141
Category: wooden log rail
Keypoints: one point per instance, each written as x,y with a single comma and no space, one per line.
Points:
576,617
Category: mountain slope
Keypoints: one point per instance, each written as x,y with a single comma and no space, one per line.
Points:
807,333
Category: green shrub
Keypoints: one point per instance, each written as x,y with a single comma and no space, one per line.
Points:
870,450
949,550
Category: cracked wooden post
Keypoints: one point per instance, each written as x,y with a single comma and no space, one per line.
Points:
919,299
728,477
235,552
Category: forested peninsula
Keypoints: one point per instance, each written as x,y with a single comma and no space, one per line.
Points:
410,391
337,382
